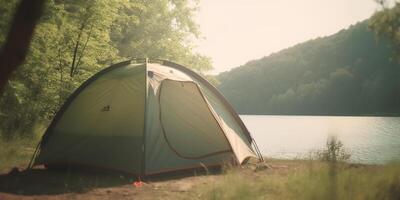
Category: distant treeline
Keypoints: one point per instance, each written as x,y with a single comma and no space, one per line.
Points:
352,72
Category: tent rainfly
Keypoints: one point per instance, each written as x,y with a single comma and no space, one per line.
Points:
145,117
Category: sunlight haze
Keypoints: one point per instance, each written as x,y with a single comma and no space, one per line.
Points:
237,31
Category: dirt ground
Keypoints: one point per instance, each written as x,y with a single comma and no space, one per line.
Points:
44,184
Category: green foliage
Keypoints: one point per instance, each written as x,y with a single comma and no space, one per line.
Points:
75,39
159,29
386,24
348,73
16,151
334,151
6,12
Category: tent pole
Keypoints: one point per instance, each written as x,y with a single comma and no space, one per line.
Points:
143,166
257,150
30,165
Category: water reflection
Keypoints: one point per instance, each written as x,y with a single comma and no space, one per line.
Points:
368,139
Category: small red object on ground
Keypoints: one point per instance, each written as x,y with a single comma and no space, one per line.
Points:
138,183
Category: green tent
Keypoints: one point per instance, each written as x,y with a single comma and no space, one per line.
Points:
145,118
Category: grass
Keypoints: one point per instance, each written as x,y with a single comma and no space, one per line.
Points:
325,176
310,180
238,185
17,151
365,182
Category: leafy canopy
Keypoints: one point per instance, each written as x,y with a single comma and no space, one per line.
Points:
77,38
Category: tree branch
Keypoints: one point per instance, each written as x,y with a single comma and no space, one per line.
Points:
83,49
71,74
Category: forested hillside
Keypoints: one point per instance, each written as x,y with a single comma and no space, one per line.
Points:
75,39
352,72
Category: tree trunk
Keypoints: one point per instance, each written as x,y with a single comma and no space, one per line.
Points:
14,51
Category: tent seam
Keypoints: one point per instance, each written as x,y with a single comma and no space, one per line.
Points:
143,171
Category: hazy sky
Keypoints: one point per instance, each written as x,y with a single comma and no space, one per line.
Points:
237,31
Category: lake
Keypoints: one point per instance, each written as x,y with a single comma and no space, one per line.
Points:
369,140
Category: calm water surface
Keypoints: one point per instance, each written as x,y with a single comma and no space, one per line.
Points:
373,140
